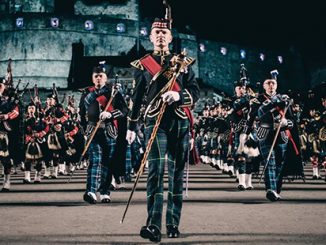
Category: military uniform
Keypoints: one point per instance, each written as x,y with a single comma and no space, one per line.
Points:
9,111
36,130
55,116
239,123
315,149
102,147
171,140
269,110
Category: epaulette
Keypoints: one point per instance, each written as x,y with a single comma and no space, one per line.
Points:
137,64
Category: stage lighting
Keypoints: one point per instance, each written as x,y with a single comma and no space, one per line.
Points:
202,47
280,59
20,22
262,56
243,54
143,31
223,50
89,25
121,27
55,22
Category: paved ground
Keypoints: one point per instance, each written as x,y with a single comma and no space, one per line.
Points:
53,212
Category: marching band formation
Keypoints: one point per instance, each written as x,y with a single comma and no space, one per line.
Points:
239,136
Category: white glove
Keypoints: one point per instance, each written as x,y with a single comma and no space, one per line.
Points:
192,144
117,87
170,97
284,122
131,136
105,115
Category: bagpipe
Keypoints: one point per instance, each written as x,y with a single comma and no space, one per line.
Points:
245,81
14,94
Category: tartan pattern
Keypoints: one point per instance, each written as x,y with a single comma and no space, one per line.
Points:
136,154
100,153
162,23
128,160
172,140
91,97
273,172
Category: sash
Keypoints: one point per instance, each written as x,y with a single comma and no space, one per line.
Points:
102,100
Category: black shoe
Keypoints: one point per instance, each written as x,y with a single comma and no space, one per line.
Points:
172,231
272,196
150,232
241,188
25,181
89,199
4,190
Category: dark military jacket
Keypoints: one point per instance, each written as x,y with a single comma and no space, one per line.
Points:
239,115
147,91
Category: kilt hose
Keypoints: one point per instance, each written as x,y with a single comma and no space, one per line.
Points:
273,172
99,174
239,165
172,139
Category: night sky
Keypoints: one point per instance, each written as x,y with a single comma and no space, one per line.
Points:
270,24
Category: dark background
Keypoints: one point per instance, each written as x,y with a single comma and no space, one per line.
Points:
267,24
